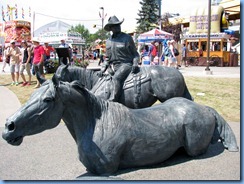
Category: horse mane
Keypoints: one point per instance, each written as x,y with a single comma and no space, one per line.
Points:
91,99
78,73
101,104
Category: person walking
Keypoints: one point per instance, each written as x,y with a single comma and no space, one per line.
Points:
38,59
47,52
6,59
25,64
47,49
152,52
184,55
101,56
166,53
14,53
172,57
121,52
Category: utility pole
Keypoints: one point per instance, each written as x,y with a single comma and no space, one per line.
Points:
207,69
159,14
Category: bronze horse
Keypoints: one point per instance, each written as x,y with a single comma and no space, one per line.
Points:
111,136
140,90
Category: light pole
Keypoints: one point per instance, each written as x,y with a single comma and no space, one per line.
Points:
102,16
209,29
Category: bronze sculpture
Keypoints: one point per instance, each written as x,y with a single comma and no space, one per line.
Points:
140,89
122,53
111,136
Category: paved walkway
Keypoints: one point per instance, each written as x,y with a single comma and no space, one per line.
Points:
52,155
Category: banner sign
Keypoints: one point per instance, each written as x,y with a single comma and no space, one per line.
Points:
57,36
205,35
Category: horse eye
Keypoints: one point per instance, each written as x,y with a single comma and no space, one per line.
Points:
47,99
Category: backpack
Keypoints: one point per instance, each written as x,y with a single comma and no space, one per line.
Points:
176,52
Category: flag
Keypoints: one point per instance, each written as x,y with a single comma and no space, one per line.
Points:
8,10
100,15
23,13
29,12
3,16
16,11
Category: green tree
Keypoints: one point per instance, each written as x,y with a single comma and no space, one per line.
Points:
148,17
89,38
82,30
172,28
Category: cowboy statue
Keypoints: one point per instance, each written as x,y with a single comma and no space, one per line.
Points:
121,52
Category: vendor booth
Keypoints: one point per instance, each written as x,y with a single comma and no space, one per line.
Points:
146,38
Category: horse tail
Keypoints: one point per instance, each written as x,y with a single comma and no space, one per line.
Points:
223,132
187,94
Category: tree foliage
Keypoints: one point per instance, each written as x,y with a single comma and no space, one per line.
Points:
171,28
88,37
82,30
148,18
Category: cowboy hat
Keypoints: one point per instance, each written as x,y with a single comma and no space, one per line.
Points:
35,39
12,41
112,21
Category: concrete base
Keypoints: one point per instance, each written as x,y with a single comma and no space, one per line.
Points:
208,72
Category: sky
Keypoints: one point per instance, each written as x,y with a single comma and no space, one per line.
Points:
87,12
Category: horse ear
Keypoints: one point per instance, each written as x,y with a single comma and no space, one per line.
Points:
66,66
40,78
55,80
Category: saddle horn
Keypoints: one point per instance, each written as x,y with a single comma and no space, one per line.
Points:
40,78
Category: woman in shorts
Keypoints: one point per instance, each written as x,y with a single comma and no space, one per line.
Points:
25,64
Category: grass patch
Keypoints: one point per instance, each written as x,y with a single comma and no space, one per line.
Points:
222,94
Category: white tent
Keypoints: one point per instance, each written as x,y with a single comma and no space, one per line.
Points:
55,31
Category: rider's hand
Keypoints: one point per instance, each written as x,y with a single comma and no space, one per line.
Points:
100,74
134,68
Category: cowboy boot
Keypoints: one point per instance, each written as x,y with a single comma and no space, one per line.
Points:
115,91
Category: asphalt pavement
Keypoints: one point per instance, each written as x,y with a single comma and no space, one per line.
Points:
52,154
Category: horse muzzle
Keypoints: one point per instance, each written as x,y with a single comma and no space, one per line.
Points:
10,136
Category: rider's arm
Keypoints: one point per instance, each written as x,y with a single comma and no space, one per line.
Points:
136,56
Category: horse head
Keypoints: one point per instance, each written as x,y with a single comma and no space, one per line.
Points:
63,73
42,111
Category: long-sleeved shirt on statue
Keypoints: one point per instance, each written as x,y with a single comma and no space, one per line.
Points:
121,49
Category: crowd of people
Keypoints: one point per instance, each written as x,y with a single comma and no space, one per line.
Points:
159,53
29,58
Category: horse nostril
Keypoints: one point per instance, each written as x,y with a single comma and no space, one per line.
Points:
11,126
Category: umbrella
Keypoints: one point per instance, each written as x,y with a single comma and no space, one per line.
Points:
154,35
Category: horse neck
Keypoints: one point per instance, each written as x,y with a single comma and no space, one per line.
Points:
81,114
90,78
85,76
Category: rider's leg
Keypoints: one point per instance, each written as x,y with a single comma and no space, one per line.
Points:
121,72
